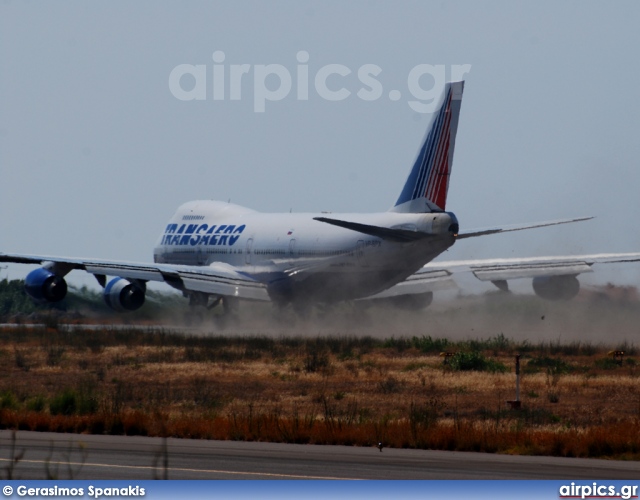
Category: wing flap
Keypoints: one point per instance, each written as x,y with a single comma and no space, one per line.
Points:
219,285
125,271
418,283
514,271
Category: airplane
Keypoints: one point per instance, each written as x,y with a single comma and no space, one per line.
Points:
213,251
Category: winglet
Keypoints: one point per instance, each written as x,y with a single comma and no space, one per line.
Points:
426,187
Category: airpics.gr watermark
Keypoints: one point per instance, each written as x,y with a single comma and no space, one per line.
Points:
332,82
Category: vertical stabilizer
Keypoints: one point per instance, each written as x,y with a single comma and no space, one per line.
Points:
428,182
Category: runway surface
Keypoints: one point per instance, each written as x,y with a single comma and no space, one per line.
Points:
71,456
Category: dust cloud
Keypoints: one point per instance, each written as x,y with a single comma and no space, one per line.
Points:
608,316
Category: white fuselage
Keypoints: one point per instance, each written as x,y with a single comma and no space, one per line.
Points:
300,258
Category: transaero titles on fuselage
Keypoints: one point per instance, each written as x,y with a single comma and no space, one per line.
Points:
194,234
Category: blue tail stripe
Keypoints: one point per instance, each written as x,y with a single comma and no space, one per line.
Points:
416,183
425,165
428,166
437,132
422,161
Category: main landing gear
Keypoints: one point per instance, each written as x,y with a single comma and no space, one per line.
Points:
200,303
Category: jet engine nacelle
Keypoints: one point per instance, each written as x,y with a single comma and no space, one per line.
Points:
556,287
123,295
44,286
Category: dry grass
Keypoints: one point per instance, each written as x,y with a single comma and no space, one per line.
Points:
331,390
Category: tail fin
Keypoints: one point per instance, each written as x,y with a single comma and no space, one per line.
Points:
428,182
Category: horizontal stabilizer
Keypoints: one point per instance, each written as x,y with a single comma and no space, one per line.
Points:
507,229
386,233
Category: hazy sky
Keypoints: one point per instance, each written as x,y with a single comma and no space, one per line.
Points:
96,151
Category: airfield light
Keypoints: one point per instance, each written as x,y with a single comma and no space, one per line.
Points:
516,403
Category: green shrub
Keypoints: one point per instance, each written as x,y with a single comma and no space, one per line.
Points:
553,365
475,361
65,403
428,344
37,404
608,363
71,401
8,401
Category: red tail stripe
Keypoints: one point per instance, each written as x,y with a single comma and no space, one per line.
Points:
442,152
429,192
443,180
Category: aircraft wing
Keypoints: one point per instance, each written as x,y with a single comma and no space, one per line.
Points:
218,278
439,275
532,267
